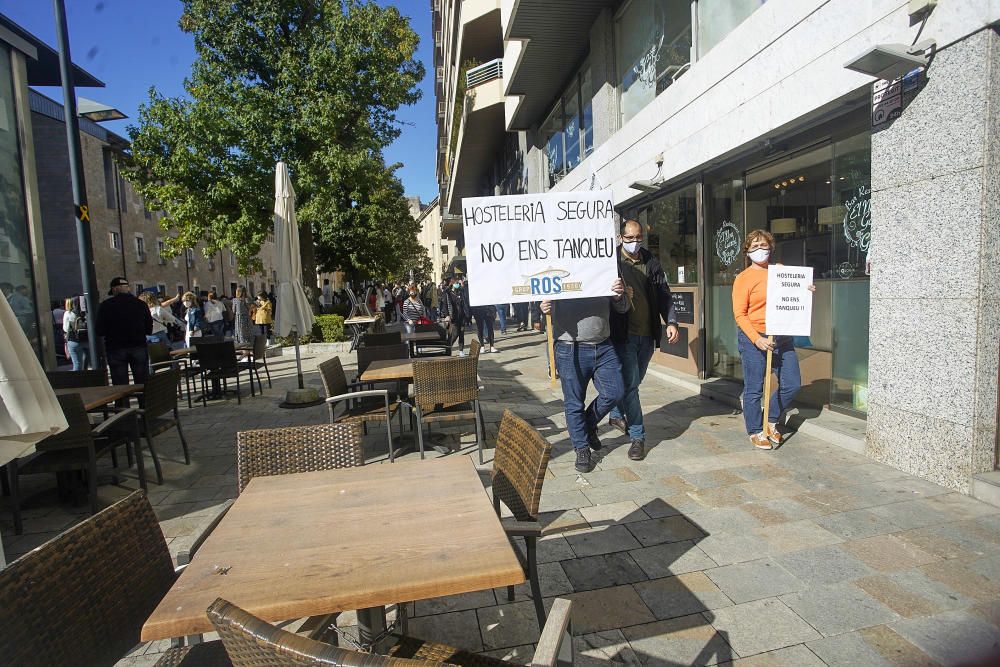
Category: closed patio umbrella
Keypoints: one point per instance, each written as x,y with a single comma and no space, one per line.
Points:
294,315
29,411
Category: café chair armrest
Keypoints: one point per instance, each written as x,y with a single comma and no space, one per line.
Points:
359,394
516,528
555,645
111,421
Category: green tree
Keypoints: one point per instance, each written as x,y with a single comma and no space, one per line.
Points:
316,83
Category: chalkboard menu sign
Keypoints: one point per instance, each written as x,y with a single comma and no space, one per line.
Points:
683,306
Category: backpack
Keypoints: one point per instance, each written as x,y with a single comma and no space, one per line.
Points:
78,329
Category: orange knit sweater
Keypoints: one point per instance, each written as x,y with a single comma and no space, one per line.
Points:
749,301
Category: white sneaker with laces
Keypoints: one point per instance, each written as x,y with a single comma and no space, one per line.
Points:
494,350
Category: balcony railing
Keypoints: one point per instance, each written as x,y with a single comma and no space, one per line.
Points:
485,72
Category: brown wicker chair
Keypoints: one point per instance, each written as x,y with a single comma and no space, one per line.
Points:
251,642
77,379
519,464
159,413
446,390
76,449
82,597
282,451
381,339
360,407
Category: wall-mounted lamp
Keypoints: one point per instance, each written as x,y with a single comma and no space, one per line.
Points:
891,61
650,185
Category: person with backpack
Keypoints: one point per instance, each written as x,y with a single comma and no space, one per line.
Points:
75,328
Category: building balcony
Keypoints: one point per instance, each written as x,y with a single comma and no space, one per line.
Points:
451,228
546,41
480,134
481,36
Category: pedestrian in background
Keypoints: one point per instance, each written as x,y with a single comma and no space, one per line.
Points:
75,329
194,319
124,321
502,314
215,315
456,313
162,316
263,316
242,322
637,332
484,316
414,311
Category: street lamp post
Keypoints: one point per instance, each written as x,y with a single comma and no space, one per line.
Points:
88,274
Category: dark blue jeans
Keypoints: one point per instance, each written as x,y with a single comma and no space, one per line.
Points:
784,363
122,359
502,314
635,355
578,365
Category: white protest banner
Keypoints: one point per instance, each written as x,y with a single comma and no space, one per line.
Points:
539,247
789,301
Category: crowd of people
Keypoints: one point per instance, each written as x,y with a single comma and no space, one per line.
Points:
174,321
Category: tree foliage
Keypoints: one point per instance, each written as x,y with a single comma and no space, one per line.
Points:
316,83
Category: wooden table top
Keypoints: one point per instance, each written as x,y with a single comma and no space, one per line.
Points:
389,370
334,540
96,397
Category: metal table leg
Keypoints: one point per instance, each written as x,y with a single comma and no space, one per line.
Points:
371,626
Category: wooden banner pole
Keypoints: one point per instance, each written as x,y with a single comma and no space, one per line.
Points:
767,389
552,348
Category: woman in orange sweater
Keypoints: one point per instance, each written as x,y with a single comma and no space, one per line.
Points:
749,302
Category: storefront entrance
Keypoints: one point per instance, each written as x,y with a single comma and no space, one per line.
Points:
816,204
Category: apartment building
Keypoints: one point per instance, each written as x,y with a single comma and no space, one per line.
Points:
856,131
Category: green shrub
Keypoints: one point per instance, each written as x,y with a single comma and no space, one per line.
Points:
331,328
327,329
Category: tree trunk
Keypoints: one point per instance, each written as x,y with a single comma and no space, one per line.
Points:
308,253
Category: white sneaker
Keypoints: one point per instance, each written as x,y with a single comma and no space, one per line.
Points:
461,353
494,350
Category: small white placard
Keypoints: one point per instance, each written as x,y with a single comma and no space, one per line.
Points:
789,301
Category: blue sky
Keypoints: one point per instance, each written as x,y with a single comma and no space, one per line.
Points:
131,45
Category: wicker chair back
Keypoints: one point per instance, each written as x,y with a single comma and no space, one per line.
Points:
282,451
445,383
334,379
97,583
519,464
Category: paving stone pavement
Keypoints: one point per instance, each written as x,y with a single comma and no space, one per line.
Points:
706,552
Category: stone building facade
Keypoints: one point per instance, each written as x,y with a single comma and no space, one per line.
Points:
126,236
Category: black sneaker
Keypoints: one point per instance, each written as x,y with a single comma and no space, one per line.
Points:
594,441
618,423
637,451
583,460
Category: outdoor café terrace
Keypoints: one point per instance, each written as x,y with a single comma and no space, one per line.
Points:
706,552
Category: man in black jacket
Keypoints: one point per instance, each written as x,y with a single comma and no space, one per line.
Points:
637,332
124,321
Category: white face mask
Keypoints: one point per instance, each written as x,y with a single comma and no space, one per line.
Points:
631,247
760,255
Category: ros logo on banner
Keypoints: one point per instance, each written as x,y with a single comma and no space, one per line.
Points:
523,248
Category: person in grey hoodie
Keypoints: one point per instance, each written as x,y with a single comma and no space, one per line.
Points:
584,353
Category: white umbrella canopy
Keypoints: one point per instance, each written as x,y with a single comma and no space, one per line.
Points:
293,306
29,411
294,312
